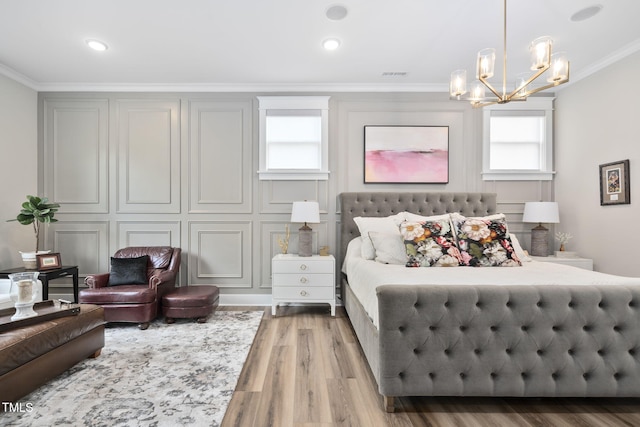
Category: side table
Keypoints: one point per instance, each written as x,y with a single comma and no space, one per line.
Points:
303,280
45,275
584,263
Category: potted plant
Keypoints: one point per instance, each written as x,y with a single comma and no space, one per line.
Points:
35,211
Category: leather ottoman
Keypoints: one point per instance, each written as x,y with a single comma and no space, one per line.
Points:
32,355
190,302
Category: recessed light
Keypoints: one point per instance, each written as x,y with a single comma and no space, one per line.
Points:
331,44
586,13
336,12
96,45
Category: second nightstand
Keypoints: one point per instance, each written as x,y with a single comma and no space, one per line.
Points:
585,263
303,280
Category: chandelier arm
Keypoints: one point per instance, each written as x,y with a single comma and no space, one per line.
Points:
526,83
491,88
549,86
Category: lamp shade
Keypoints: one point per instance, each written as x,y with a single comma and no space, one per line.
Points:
540,212
305,212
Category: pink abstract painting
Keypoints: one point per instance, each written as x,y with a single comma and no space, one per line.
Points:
406,154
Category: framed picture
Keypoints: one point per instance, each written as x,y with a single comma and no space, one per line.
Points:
614,183
48,261
406,154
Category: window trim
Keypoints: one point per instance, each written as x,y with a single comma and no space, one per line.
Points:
546,172
321,103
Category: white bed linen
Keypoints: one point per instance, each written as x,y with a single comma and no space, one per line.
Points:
365,276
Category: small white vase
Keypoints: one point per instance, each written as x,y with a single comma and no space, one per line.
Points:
29,259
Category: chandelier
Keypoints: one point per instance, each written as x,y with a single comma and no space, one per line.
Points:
542,60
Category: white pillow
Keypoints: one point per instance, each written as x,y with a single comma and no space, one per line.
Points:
411,217
389,248
520,253
379,224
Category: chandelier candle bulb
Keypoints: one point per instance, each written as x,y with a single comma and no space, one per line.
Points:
559,67
541,52
486,63
458,83
477,91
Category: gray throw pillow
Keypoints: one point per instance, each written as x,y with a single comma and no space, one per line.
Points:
128,271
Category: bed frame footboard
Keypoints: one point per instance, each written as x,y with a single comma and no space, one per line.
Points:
578,341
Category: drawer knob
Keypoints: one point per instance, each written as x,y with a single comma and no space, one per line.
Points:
303,293
303,280
303,267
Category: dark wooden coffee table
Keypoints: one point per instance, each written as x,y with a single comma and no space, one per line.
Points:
45,275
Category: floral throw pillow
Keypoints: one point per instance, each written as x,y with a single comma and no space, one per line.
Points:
430,243
485,242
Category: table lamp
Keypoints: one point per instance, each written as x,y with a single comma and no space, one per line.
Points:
307,212
540,212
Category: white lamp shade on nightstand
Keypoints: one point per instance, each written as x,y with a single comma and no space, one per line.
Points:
306,212
540,212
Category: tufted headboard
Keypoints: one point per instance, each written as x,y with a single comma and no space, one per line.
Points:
385,204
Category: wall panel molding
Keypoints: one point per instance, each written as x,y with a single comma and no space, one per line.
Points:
76,153
148,162
220,253
220,156
81,243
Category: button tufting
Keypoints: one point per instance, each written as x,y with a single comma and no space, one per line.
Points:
540,352
571,351
508,351
463,328
477,351
525,328
494,328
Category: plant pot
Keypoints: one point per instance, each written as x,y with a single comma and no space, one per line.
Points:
29,259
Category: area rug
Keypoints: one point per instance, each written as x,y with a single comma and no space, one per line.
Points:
181,374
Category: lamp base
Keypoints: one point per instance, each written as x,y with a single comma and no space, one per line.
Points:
23,310
305,239
539,241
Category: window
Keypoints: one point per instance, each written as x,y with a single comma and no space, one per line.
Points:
517,141
294,137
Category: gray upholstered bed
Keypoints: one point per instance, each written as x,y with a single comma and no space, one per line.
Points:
469,340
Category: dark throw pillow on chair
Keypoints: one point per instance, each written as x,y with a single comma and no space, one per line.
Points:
128,271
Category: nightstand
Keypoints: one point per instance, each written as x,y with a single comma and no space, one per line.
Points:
584,263
303,280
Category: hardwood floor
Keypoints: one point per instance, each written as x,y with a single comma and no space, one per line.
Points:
306,369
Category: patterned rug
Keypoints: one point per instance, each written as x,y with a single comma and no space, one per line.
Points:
169,375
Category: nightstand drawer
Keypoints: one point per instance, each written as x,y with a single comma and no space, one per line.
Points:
303,292
309,267
324,279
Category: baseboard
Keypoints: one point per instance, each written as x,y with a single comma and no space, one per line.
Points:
245,299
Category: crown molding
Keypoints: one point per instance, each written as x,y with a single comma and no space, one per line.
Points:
587,71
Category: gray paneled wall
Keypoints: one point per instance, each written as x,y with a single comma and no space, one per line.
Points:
180,169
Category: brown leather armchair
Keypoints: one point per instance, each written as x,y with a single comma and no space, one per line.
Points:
135,303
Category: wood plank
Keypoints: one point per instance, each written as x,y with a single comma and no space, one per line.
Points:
312,396
276,401
255,367
310,371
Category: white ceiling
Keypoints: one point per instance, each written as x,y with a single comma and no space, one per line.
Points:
276,44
